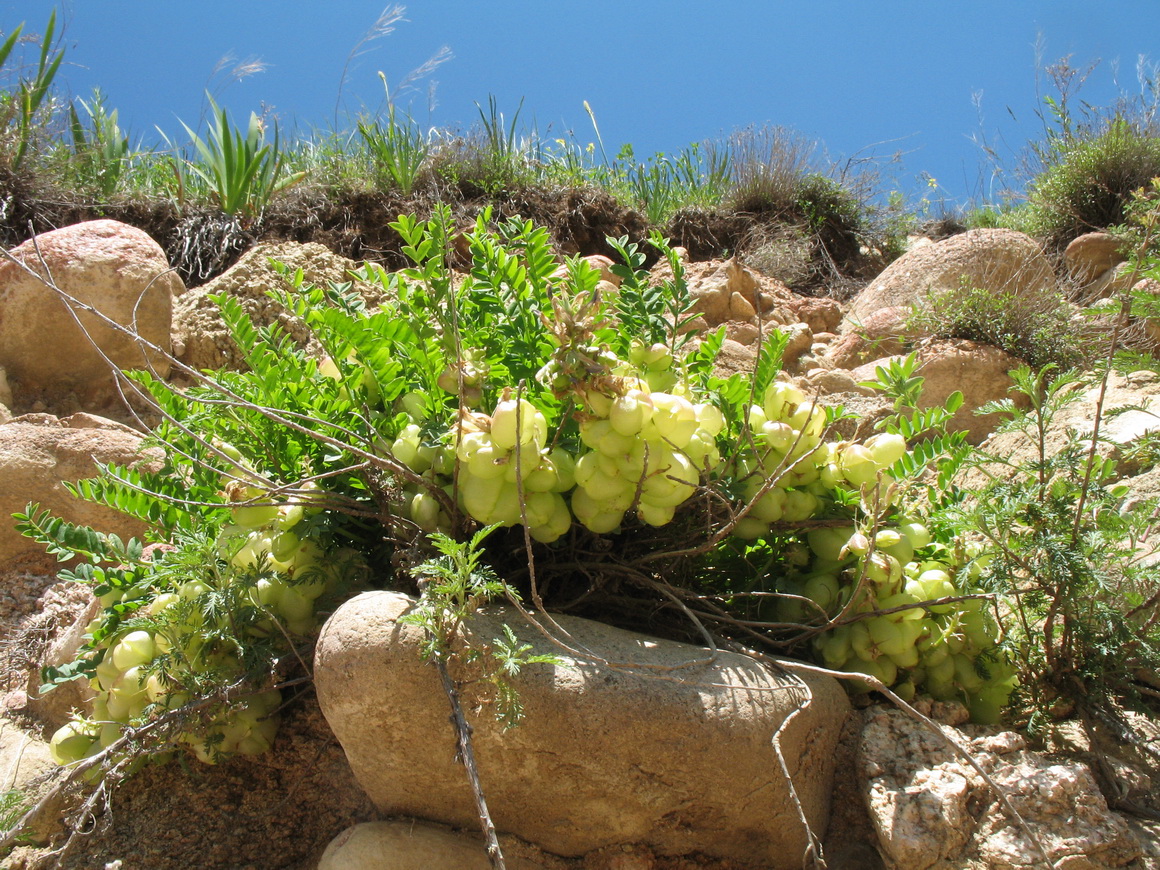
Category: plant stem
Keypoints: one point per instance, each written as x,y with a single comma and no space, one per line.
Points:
466,756
1113,346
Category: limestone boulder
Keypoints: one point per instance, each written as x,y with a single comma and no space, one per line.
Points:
201,338
799,340
632,740
931,809
49,346
39,452
1002,261
979,371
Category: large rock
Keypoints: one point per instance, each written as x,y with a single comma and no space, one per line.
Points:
663,750
39,452
200,335
883,333
931,809
1001,261
979,371
114,268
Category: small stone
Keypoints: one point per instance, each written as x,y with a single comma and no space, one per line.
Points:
800,338
742,333
712,303
823,315
949,712
1002,743
740,280
604,264
740,308
832,381
771,310
778,314
806,360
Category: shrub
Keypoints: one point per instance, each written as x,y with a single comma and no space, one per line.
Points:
1090,180
1084,611
768,166
1037,329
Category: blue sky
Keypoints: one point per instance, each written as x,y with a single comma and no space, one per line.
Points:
868,79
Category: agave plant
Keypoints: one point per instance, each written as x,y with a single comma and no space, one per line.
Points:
241,171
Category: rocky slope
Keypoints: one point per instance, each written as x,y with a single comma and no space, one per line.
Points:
899,798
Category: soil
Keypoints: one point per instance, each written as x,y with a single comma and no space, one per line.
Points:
201,243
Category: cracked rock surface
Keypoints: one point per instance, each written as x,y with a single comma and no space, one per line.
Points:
931,809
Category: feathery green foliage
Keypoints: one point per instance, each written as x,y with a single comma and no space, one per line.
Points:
1084,613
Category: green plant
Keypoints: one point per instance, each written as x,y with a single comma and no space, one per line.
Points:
1089,180
21,106
100,156
13,805
579,420
453,585
1084,617
241,171
1038,329
493,156
662,185
398,148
